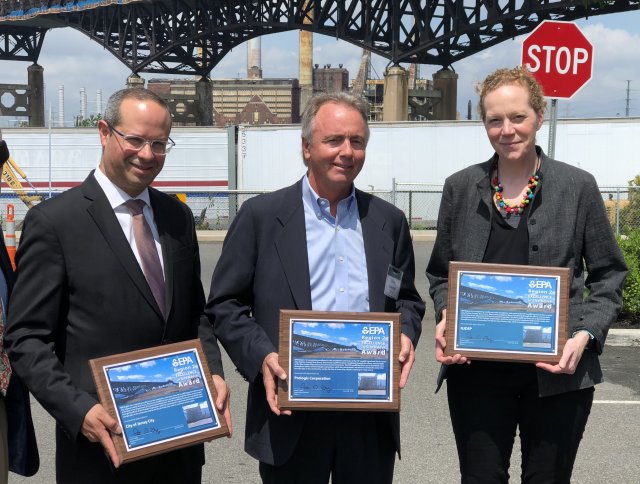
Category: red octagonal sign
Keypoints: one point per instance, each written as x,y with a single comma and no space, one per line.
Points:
560,58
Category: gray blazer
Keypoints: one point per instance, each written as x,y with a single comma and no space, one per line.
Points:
568,227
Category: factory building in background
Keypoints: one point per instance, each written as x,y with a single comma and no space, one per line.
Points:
235,101
330,79
254,100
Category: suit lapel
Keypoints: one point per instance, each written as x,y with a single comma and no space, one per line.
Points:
378,248
102,214
291,246
476,245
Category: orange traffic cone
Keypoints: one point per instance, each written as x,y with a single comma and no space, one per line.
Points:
10,236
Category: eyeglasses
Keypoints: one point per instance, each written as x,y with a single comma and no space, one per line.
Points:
158,146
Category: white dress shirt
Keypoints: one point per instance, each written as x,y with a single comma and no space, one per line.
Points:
117,197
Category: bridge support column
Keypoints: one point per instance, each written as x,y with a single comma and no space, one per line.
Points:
134,80
204,102
35,76
396,94
446,81
305,61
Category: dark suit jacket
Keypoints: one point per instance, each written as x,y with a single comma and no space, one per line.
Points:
80,294
568,227
23,449
264,268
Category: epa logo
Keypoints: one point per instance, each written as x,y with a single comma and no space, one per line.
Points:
182,360
540,284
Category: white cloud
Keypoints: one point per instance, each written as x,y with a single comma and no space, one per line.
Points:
131,377
313,334
477,277
484,287
503,278
121,368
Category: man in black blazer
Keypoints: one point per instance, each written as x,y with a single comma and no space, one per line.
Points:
81,293
18,440
284,251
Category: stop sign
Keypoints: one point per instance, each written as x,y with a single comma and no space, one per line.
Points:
560,58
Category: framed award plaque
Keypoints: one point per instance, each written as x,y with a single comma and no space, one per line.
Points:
162,397
339,361
507,312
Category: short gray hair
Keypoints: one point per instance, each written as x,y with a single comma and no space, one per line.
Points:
316,102
112,112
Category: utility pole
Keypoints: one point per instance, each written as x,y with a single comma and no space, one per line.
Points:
628,99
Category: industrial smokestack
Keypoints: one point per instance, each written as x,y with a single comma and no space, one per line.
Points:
306,59
254,58
305,62
83,103
98,101
61,106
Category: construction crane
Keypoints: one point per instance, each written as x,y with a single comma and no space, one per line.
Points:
364,73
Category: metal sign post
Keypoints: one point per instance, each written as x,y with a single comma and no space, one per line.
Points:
551,148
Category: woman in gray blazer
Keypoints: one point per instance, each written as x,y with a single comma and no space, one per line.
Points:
521,207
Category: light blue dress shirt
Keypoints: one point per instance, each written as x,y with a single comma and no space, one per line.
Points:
337,261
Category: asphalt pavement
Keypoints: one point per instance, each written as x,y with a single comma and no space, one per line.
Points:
609,452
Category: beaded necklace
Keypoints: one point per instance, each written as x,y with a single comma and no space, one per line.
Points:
518,208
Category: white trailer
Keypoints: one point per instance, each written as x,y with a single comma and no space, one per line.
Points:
428,152
63,157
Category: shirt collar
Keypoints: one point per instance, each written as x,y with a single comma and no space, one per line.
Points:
315,201
116,195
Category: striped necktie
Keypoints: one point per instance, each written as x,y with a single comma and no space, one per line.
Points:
151,266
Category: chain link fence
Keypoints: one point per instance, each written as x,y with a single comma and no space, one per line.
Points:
214,210
419,202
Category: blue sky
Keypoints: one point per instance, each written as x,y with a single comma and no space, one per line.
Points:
72,60
344,334
151,370
515,287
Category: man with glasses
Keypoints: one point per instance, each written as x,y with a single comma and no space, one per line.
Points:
109,267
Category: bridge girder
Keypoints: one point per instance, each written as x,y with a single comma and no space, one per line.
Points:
192,36
21,43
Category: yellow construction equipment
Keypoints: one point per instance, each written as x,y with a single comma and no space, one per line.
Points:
9,171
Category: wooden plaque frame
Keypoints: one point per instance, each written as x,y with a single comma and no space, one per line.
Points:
561,304
127,454
288,402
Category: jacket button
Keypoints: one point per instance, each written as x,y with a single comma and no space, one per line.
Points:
534,248
533,221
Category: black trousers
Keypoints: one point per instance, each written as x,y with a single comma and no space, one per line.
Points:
83,462
344,447
488,401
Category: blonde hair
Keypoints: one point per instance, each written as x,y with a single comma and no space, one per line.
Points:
518,75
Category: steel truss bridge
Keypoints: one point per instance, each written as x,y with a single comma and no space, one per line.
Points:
192,36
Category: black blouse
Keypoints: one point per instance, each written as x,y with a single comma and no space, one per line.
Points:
508,245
